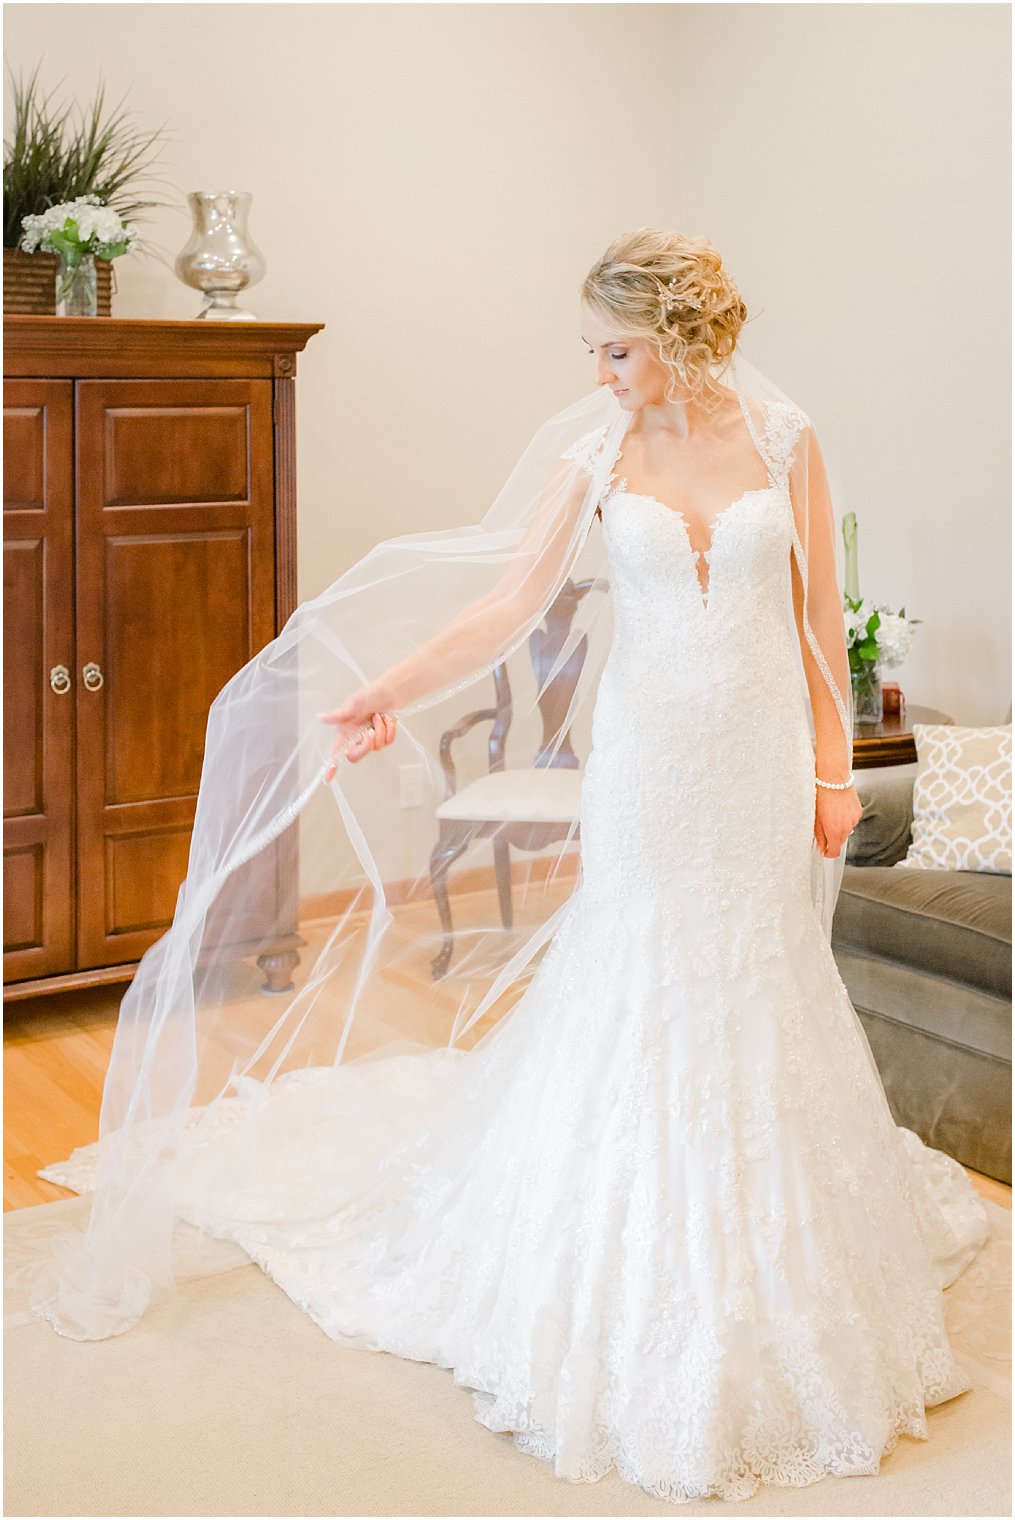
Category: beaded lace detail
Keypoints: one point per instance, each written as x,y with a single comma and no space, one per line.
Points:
784,424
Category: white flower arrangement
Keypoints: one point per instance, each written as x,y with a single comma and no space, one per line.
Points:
76,229
876,634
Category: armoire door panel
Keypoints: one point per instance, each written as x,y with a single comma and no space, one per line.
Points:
143,872
176,455
157,706
24,677
38,678
25,448
24,905
175,574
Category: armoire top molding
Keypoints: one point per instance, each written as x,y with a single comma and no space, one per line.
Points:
80,347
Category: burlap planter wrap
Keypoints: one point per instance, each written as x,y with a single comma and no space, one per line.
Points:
30,283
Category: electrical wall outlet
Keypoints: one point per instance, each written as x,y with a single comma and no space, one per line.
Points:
410,786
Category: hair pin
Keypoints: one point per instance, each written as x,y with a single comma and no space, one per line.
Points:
671,301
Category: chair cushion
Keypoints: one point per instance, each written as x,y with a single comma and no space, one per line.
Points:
954,924
549,795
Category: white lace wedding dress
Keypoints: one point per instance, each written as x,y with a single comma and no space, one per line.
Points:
661,1219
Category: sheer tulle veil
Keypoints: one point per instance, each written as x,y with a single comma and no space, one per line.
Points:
403,905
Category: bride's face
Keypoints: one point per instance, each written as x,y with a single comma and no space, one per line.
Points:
628,366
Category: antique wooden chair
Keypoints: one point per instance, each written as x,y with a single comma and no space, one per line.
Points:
527,807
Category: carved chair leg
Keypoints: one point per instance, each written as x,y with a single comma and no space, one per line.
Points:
445,852
502,870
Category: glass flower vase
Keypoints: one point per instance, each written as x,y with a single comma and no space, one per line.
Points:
868,699
77,288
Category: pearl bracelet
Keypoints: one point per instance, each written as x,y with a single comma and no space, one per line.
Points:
836,786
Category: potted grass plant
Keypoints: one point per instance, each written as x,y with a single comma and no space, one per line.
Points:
60,156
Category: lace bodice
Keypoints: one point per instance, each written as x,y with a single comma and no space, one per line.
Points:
750,538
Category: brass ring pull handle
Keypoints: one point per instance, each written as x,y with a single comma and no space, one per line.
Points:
59,679
92,676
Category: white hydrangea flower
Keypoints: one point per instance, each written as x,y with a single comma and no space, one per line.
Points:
856,622
99,229
894,638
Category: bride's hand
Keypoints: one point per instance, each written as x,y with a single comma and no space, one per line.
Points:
836,815
364,720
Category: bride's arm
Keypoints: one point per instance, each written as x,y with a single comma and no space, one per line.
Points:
483,630
822,635
478,634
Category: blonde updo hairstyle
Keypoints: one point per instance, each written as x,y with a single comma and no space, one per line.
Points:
673,292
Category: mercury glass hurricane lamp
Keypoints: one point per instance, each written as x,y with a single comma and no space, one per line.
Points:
220,257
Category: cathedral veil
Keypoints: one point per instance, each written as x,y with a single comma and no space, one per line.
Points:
399,907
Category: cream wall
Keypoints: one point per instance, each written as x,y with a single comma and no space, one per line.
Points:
860,186
432,181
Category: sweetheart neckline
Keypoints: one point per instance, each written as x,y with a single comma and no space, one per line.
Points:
618,487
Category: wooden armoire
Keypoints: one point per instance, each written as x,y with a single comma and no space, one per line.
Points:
149,553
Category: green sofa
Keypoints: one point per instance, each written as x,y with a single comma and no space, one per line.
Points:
926,959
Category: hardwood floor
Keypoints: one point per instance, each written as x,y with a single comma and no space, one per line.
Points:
57,1047
995,1191
56,1050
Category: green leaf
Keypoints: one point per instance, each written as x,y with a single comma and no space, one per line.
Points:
849,538
66,247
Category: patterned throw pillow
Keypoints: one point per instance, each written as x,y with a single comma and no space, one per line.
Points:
962,799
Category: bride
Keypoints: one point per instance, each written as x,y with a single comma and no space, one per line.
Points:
655,1213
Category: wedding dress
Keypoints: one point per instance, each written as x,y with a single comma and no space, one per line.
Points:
660,1218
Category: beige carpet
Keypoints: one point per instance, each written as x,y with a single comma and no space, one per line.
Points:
230,1401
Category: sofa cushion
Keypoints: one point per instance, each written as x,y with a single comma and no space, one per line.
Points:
956,1097
954,924
953,1013
883,833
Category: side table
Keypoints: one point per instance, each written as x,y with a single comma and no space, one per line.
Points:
891,741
